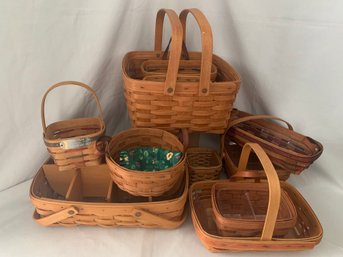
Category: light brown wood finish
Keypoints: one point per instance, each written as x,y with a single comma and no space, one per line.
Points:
105,204
203,164
196,105
286,148
144,183
73,143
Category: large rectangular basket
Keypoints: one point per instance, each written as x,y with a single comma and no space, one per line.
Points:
172,101
88,196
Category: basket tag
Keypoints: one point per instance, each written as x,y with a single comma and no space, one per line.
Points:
75,143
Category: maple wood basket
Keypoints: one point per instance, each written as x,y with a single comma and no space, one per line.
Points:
144,183
286,148
231,156
88,196
76,142
240,208
203,164
172,101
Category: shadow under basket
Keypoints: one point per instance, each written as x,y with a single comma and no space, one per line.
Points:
88,196
306,233
203,164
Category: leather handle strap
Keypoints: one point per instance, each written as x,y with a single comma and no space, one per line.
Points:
69,83
149,217
249,118
176,46
273,185
207,47
56,217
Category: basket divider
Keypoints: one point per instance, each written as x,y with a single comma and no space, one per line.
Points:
74,192
109,192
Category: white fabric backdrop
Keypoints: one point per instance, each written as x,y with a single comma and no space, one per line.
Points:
288,54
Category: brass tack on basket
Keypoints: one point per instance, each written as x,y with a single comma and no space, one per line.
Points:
170,90
204,90
138,214
71,212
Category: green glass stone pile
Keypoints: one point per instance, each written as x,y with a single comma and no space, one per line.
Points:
148,158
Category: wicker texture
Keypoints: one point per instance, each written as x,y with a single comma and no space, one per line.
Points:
88,196
74,143
144,183
232,153
203,164
174,101
285,147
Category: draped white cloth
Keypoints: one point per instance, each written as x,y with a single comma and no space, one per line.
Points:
288,54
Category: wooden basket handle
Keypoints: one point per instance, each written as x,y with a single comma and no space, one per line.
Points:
273,185
248,118
55,217
176,46
149,217
70,83
207,47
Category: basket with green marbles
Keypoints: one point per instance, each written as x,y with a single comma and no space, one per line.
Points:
146,161
149,158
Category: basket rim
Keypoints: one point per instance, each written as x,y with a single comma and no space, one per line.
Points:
98,133
110,161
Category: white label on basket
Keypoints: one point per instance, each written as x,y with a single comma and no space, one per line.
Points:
75,143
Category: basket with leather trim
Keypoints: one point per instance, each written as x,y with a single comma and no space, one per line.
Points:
286,148
76,142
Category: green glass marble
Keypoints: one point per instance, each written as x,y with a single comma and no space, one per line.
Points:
148,158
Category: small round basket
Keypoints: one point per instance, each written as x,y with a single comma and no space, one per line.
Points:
139,183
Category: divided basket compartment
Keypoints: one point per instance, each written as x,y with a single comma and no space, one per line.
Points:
74,143
203,164
88,196
240,209
139,183
285,147
173,101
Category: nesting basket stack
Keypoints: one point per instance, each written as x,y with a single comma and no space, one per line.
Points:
85,182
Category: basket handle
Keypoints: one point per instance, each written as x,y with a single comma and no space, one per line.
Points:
149,217
273,185
176,46
71,83
248,118
55,217
207,47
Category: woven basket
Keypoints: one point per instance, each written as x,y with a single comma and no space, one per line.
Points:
203,164
286,148
77,142
232,153
193,103
144,183
305,234
88,196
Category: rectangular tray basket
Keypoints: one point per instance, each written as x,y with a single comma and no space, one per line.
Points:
88,196
304,235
